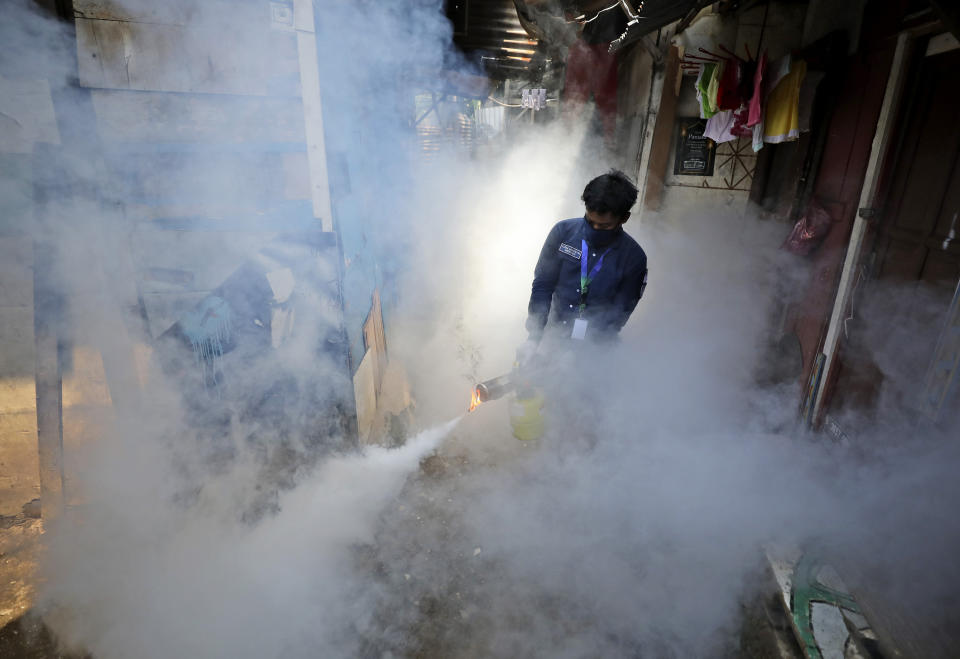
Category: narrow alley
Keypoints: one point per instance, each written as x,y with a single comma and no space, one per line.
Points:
479,328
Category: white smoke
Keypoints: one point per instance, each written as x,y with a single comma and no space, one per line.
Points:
637,523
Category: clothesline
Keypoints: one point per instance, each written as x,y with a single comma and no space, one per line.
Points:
748,98
714,57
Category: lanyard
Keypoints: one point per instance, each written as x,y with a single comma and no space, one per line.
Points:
585,278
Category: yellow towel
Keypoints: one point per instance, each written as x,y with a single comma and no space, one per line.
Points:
781,121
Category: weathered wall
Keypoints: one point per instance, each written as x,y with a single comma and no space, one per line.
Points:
187,154
26,119
207,174
636,73
825,16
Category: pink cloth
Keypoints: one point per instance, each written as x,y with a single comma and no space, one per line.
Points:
740,127
756,101
719,127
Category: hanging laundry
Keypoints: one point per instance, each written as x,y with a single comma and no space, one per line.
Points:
756,99
696,86
781,118
728,91
757,136
719,127
714,85
776,71
740,128
703,93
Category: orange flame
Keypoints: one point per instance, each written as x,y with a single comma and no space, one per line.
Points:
474,400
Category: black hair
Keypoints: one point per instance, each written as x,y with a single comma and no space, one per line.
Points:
612,192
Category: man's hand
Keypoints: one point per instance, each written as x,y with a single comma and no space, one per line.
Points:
526,352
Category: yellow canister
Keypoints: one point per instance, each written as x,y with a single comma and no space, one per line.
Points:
525,417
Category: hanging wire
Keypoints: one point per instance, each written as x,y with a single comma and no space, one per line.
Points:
506,105
590,20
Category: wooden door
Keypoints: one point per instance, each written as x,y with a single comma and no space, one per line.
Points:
914,267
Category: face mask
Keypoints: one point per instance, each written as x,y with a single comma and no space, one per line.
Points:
600,238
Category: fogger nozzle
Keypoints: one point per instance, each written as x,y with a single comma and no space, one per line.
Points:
495,388
492,390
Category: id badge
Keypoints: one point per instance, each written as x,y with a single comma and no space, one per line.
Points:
579,329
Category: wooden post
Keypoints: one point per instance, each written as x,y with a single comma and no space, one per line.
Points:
49,381
313,113
662,134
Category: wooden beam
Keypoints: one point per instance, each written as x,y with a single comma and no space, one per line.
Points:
662,134
47,316
653,49
313,113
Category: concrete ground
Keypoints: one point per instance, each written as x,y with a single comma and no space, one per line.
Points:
86,408
449,616
19,548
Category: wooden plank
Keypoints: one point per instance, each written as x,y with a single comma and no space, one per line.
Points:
945,364
26,115
942,43
170,12
375,340
156,117
313,113
365,394
17,359
662,133
254,178
266,224
115,54
177,12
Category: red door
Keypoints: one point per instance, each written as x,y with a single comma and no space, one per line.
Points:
914,266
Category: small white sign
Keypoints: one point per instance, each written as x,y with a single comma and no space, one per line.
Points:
579,329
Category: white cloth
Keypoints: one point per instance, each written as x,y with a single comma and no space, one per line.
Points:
758,136
718,127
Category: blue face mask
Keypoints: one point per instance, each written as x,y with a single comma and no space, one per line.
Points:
600,238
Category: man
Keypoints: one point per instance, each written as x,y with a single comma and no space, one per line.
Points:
591,274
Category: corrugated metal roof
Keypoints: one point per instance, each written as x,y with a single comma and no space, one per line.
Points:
490,32
653,15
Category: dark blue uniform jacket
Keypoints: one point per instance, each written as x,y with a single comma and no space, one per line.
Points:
611,296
